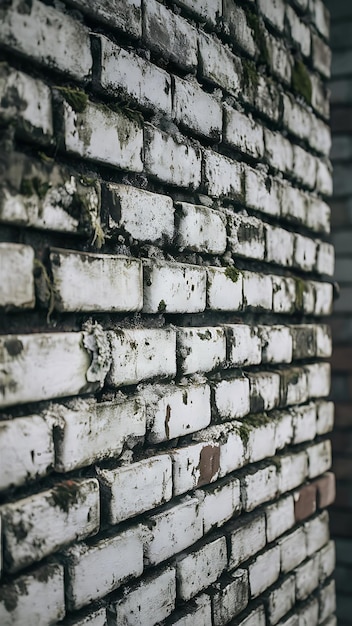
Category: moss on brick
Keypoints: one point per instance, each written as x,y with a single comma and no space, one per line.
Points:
76,98
259,37
301,83
232,273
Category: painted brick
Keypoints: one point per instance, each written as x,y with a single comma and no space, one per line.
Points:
196,109
170,35
27,450
88,432
264,571
279,245
259,486
201,348
173,288
247,537
246,236
283,429
308,614
124,72
281,599
173,530
232,398
274,12
262,192
208,10
324,341
294,386
293,550
94,618
96,282
224,289
254,618
200,229
318,216
229,600
296,118
218,65
305,253
320,138
38,374
156,594
326,490
244,345
324,183
265,395
227,436
318,375
325,263
326,561
279,517
293,470
126,15
42,604
307,578
143,215
241,131
222,176
235,24
319,458
304,166
263,95
284,294
173,412
95,570
276,344
103,135
305,502
323,298
294,205
280,59
317,533
257,291
304,423
304,341
195,465
325,417
171,160
138,487
71,510
17,260
327,601
278,151
32,31
300,32
135,355
321,55
199,569
219,503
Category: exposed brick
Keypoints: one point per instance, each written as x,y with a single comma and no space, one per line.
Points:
305,502
195,465
326,490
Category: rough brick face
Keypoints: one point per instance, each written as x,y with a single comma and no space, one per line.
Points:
166,273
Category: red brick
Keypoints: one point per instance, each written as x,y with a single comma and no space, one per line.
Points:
305,502
326,490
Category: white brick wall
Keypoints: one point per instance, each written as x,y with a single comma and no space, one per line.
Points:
264,571
199,569
242,132
200,348
224,291
231,599
247,538
218,65
223,176
200,229
232,398
196,109
173,287
17,259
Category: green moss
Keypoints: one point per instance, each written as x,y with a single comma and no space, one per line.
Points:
250,73
76,98
232,273
301,83
126,109
276,460
34,186
162,306
65,494
244,431
259,37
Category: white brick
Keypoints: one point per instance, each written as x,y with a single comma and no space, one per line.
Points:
102,135
200,229
138,487
318,215
278,151
276,344
280,58
257,291
96,282
71,510
305,253
39,373
274,11
254,618
242,132
304,341
235,24
244,345
325,263
171,160
16,260
319,458
224,289
281,599
327,602
317,533
321,17
262,93
264,571
323,298
95,570
247,537
259,486
284,294
176,411
222,176
292,471
289,621
318,375
295,204
201,349
28,102
304,166
232,450
296,118
265,394
304,423
169,35
136,355
88,431
196,109
307,578
327,560
124,72
195,465
199,569
173,287
324,182
143,215
209,10
308,614
230,599
246,236
262,192
300,32
31,32
321,56
199,613
325,417
279,244
27,450
173,530
293,550
218,65
283,429
127,18
295,387
156,594
95,618
219,503
232,398
42,602
280,517
305,296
